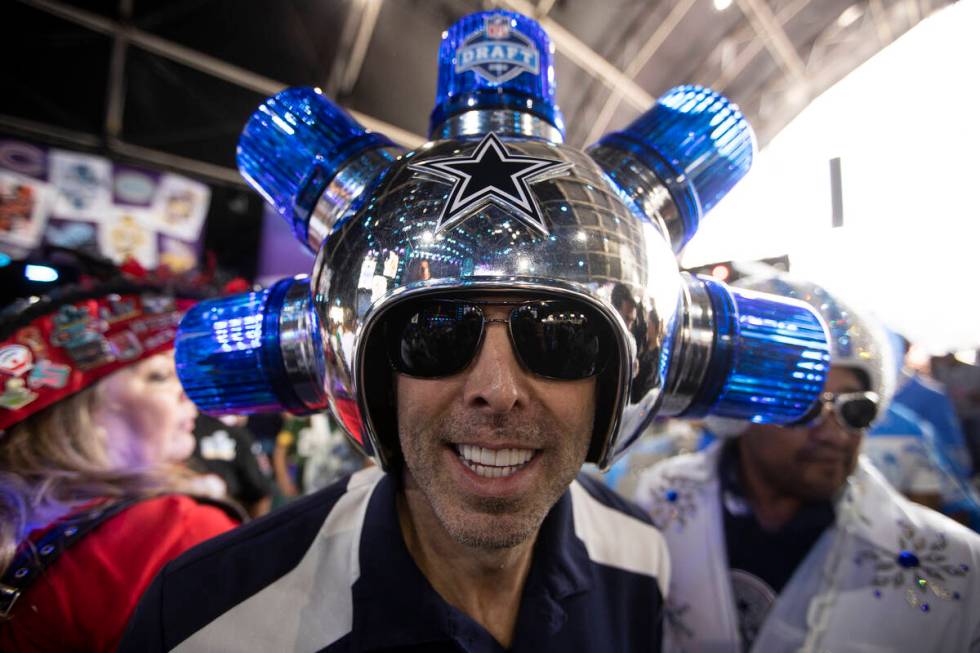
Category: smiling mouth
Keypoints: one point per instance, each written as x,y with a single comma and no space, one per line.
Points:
493,463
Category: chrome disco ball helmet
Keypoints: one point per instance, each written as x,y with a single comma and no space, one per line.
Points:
496,204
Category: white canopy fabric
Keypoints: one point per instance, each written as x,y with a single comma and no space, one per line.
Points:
906,126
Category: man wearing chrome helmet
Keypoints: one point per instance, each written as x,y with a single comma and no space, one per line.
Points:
784,538
461,324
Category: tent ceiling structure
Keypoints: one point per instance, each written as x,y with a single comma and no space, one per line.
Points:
172,82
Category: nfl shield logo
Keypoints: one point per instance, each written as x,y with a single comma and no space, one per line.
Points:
497,53
497,27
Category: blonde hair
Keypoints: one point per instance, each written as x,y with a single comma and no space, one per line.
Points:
58,459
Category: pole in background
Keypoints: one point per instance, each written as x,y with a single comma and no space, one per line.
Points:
836,196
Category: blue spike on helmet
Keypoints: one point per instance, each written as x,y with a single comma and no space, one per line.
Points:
295,144
239,354
770,358
695,142
496,60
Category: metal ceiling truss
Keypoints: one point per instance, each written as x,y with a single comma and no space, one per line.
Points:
362,17
774,37
124,35
586,58
719,71
543,9
133,153
831,57
637,64
777,102
357,32
116,91
882,24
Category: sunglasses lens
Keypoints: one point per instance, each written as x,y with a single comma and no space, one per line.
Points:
858,413
434,339
560,340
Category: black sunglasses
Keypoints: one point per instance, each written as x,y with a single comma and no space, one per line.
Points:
854,410
555,339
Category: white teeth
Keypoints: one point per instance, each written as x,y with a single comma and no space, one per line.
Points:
492,463
487,456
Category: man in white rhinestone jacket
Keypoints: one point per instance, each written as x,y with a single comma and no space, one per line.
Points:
785,539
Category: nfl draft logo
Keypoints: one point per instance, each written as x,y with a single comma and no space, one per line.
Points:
497,27
496,53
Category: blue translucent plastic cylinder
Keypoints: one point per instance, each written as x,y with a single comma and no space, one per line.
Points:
696,142
228,354
292,147
770,358
496,60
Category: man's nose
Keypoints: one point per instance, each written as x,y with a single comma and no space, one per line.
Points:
830,429
495,381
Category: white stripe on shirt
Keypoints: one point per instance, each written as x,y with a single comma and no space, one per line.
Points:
275,620
617,539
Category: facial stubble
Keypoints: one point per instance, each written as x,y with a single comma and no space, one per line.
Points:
492,522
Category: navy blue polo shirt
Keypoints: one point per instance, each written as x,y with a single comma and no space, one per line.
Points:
331,573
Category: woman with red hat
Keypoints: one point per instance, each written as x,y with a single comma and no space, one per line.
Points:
94,426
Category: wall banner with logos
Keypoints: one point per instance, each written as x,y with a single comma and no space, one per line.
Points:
88,202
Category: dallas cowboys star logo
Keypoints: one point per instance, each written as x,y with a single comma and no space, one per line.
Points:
491,175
